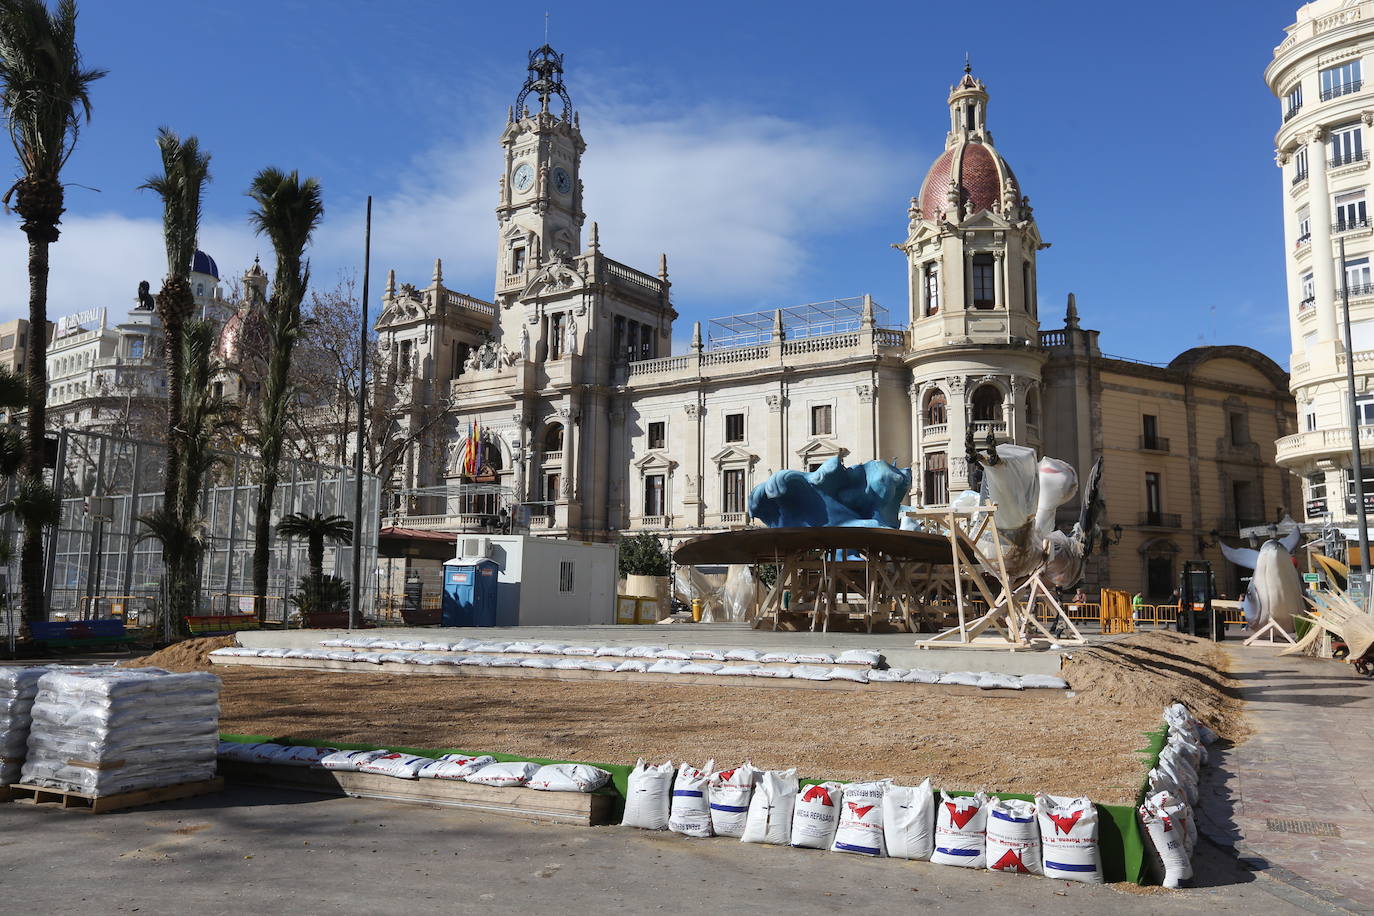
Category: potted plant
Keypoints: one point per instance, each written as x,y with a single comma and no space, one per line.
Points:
645,566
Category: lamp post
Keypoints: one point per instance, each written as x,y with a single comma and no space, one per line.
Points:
1356,462
356,597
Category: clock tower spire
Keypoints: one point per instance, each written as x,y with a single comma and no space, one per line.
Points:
540,209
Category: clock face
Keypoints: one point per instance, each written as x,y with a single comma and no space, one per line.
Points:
523,177
562,180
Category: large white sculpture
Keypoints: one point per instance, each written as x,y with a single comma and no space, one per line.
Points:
1275,591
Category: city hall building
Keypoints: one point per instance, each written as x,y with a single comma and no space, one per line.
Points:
587,426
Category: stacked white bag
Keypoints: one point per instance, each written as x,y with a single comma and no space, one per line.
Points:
690,810
103,731
860,829
729,795
18,686
1013,837
1068,836
1167,814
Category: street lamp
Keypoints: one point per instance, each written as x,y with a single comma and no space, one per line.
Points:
1356,462
1109,540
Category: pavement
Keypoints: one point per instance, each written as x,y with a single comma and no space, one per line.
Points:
259,850
899,649
1296,799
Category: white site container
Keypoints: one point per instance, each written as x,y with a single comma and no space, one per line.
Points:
546,581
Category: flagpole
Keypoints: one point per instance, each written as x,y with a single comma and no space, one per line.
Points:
357,590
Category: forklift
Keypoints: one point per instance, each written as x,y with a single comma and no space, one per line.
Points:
1196,616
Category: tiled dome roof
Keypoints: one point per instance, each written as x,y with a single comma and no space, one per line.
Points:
202,263
981,175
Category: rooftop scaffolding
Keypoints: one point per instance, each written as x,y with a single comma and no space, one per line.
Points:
815,319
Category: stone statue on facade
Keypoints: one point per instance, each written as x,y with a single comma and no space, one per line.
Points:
570,336
145,297
524,342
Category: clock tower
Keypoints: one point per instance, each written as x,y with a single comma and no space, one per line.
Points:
540,210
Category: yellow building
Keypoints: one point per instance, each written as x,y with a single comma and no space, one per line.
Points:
1188,452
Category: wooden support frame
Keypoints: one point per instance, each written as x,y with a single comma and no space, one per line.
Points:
1269,630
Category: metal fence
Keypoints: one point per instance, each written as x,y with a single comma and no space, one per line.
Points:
100,561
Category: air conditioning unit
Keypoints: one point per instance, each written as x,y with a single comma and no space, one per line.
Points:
474,548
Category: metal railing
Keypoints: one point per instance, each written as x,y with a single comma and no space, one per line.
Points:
1335,92
1298,177
1291,112
1341,159
1154,443
1303,240
1360,289
1308,303
1349,225
1160,520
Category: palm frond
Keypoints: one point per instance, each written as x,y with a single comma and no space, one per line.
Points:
44,89
14,392
181,185
34,503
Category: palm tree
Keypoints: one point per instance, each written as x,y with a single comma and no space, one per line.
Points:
288,211
45,97
316,529
185,170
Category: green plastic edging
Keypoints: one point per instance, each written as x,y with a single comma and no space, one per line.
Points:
1118,833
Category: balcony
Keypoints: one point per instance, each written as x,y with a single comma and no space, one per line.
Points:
1347,158
1298,178
1323,441
1160,520
1350,225
1303,241
734,518
935,431
982,427
653,521
1335,92
1359,289
1154,444
1309,303
1291,112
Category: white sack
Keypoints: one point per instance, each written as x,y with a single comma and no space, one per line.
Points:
690,810
811,673
1013,837
963,678
860,829
729,795
816,814
350,761
1044,681
992,680
504,775
770,808
569,777
1163,817
305,756
887,676
402,766
647,796
922,676
909,821
858,657
960,825
814,658
1068,835
456,766
859,675
633,665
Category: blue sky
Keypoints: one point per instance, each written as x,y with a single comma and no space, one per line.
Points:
769,148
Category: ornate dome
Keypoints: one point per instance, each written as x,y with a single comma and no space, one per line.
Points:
243,334
202,263
969,166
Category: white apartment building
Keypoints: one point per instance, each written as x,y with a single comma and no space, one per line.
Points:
1326,104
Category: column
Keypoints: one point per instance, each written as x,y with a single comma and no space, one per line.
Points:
999,263
1293,269
917,394
1323,261
1015,431
956,412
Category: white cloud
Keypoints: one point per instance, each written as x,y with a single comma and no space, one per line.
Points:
739,201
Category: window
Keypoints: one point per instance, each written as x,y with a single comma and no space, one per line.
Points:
1149,431
135,348
1349,209
814,466
1342,80
1309,420
553,438
1237,427
460,358
556,336
406,346
7,342
936,479
200,289
657,434
936,409
1292,101
984,284
734,427
1364,411
1304,227
1309,292
552,486
987,405
732,485
1347,144
565,577
517,259
932,285
1027,292
1316,486
653,494
1033,408
618,338
1154,501
1357,276
1241,504
1299,166
821,421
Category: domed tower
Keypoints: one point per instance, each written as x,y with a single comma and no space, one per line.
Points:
971,247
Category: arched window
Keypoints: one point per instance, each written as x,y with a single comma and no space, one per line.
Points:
492,454
987,404
936,413
553,438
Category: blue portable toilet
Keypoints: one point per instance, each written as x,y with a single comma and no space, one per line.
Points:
470,593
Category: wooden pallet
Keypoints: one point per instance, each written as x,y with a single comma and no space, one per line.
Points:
43,796
527,804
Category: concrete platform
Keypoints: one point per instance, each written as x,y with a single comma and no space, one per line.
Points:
899,649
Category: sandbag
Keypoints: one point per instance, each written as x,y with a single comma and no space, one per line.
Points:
860,829
612,651
777,658
679,655
504,775
701,668
1163,817
858,657
743,670
402,766
580,650
667,666
814,658
922,676
859,675
770,809
994,680
690,810
887,675
743,655
633,666
455,766
729,795
707,655
1013,837
1068,837
1044,680
810,673
647,796
962,678
816,814
296,756
960,825
909,821
569,777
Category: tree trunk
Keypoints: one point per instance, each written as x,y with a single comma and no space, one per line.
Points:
262,544
31,568
172,333
315,555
